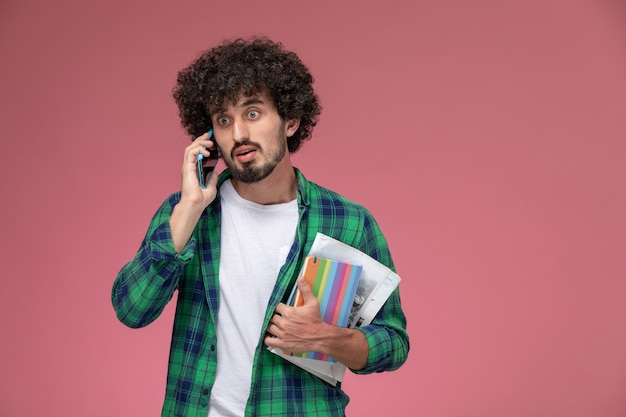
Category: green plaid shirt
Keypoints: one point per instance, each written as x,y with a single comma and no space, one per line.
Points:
278,388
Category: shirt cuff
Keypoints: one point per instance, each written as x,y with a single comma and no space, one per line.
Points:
161,246
379,346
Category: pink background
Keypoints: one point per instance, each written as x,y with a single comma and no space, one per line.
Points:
487,137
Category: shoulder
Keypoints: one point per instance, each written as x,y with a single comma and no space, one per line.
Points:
319,197
328,206
173,199
343,219
168,204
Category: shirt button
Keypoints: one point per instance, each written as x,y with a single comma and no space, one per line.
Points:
205,391
212,348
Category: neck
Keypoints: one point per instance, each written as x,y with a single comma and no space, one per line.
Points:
280,186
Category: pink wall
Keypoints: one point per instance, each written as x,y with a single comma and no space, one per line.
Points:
487,137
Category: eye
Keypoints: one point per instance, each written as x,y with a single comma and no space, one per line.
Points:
253,114
222,121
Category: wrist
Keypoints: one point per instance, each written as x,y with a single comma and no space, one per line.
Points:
348,346
189,208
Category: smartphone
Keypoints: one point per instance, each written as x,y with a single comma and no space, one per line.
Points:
206,165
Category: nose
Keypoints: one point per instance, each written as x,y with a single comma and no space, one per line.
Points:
240,131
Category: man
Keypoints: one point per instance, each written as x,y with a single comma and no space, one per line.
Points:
234,249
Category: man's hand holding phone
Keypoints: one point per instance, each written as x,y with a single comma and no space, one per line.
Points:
199,188
198,182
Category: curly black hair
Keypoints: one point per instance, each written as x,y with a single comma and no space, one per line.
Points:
257,65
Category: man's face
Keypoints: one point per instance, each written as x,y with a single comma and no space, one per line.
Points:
252,137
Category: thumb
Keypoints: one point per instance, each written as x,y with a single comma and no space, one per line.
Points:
306,292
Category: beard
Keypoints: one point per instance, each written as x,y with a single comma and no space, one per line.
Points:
249,173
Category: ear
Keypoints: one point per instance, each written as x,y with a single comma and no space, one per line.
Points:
291,126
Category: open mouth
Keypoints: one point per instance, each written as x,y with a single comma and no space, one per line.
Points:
245,153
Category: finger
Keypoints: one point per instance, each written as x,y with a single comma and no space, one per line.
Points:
306,291
199,144
275,330
205,140
273,321
202,137
271,341
201,140
280,309
191,153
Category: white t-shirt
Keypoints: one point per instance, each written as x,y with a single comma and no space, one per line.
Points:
255,241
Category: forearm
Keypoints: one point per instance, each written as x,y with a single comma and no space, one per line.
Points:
142,290
373,348
182,223
348,346
386,335
147,283
387,338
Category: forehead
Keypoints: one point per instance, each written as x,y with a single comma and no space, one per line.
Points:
258,99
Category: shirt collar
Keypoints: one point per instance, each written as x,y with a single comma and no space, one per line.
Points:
303,185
